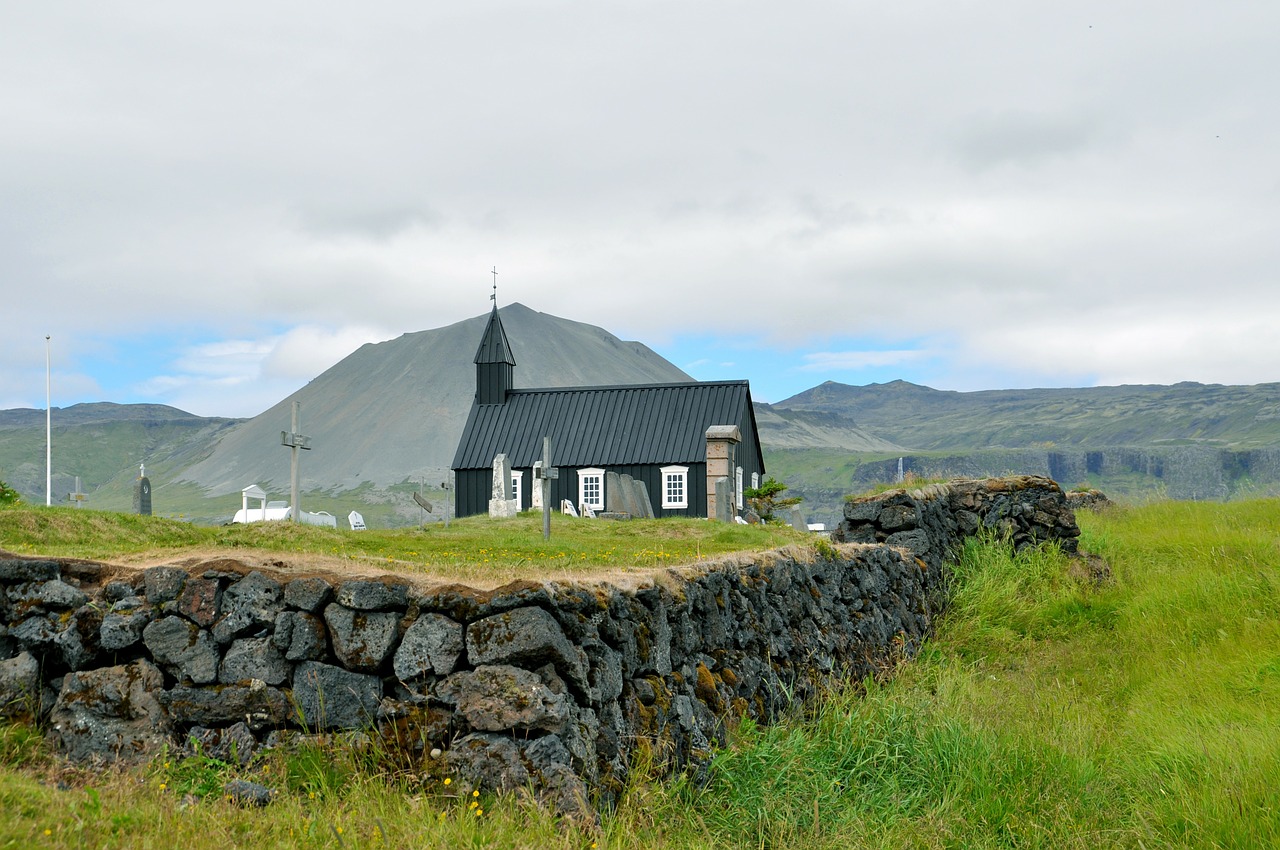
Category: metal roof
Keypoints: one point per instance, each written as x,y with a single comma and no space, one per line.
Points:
494,347
604,426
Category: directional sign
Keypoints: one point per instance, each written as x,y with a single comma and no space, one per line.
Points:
295,441
422,503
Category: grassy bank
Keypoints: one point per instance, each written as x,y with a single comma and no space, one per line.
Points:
476,549
1046,712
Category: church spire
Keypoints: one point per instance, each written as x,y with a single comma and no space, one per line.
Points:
494,363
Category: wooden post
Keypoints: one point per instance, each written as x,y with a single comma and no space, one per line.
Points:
294,441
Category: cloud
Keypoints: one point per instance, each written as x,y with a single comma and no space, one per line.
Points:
1023,138
975,181
838,361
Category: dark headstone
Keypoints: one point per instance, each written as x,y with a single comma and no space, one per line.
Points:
142,496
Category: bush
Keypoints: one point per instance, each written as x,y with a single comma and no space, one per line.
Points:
768,498
8,495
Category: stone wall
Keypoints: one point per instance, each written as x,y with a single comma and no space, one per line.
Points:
554,686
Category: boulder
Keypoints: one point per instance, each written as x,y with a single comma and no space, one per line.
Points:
431,646
185,650
526,637
122,626
300,636
253,658
257,704
250,603
499,698
372,595
362,640
330,697
20,687
110,714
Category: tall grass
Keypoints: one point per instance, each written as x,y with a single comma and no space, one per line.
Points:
1047,711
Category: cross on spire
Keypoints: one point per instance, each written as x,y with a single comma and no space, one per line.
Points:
494,296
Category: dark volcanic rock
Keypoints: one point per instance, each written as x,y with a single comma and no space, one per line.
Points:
498,698
182,648
330,697
110,713
431,646
362,640
527,637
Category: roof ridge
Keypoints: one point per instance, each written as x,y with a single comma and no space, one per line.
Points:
673,384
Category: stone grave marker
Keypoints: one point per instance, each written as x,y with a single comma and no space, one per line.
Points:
641,491
724,500
501,505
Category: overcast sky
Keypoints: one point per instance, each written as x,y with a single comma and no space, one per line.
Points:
206,205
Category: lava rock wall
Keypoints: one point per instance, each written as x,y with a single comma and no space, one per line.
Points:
559,687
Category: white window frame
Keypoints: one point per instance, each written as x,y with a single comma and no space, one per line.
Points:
738,481
584,477
517,488
670,473
755,481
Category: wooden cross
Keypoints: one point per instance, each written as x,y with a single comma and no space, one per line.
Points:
544,473
294,441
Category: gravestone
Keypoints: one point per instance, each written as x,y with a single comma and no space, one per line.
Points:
501,505
629,504
724,500
613,500
566,507
641,492
142,492
77,496
796,517
356,521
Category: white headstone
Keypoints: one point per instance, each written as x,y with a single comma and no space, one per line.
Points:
501,505
356,521
566,507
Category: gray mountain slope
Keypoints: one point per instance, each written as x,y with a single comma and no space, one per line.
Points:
804,429
395,410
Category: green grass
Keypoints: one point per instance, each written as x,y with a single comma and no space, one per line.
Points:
476,549
1045,712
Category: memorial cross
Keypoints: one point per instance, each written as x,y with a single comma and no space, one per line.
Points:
294,441
544,473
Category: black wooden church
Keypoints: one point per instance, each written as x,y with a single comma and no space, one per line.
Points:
655,433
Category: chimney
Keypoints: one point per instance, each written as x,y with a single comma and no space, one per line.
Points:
721,440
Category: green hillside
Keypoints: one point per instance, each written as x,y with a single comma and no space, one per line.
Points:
926,419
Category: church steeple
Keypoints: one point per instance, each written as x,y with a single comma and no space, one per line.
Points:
494,363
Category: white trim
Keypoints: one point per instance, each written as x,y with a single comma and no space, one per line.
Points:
738,486
517,488
588,477
755,481
675,496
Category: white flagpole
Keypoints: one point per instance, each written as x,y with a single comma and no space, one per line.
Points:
48,428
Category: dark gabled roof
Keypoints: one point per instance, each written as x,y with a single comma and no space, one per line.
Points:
604,426
494,347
